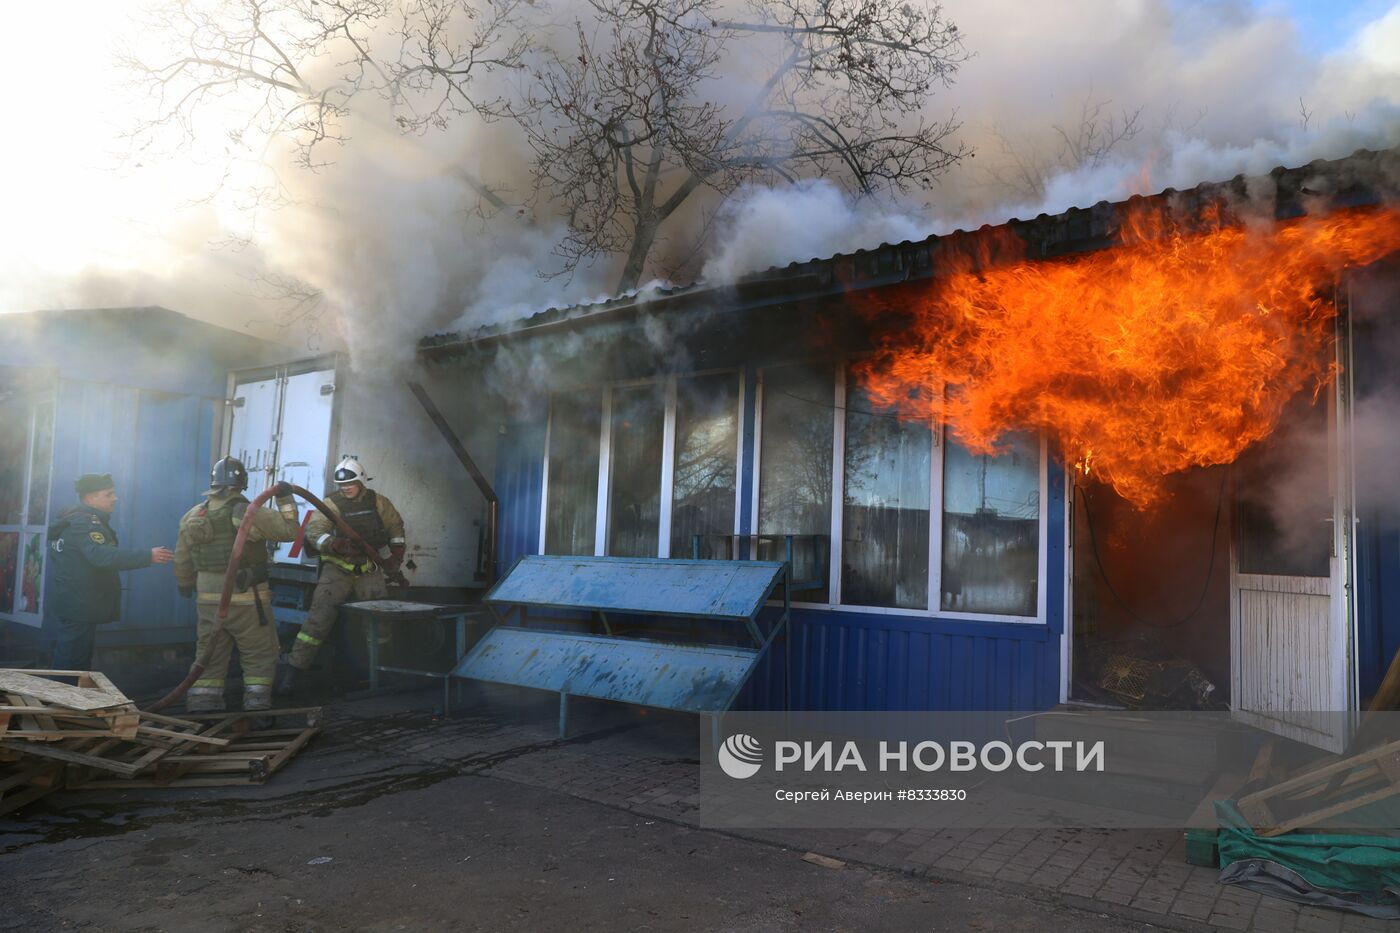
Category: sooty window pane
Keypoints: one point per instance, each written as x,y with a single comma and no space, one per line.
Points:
9,569
886,505
14,447
40,461
794,485
991,528
707,442
31,580
1284,511
634,491
575,430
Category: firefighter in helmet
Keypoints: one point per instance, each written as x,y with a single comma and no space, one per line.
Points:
346,571
202,554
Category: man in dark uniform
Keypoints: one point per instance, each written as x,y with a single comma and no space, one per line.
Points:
86,591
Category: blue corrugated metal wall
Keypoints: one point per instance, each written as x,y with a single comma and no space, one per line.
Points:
1378,597
136,394
854,660
1378,528
156,445
174,437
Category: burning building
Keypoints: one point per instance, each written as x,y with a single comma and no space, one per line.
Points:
1123,455
1136,454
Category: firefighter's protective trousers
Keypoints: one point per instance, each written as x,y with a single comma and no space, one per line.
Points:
257,651
334,588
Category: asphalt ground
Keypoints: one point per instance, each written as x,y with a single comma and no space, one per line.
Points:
349,837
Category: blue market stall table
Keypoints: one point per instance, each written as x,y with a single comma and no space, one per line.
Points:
394,612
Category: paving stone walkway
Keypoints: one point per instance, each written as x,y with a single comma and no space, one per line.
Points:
648,765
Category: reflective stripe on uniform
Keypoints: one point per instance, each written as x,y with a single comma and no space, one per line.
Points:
346,565
321,541
210,683
257,681
302,636
396,540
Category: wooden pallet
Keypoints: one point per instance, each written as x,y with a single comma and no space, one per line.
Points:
24,780
1308,799
27,783
246,756
45,747
38,707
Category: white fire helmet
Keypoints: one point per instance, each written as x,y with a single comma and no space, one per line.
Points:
350,471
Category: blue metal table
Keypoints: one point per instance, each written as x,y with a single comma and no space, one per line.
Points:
373,612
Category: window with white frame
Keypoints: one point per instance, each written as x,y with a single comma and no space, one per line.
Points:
26,456
575,426
636,442
797,431
885,506
990,560
923,524
661,457
982,553
704,487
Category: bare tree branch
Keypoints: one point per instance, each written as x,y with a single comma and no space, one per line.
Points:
842,97
628,116
1025,168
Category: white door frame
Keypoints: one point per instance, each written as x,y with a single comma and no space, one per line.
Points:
1329,727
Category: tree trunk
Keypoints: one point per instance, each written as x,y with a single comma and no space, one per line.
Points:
643,238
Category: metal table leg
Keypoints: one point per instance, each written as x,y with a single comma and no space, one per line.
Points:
373,654
461,627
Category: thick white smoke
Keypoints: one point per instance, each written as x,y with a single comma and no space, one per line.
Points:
812,219
1206,92
398,245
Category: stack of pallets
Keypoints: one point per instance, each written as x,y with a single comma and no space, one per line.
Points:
74,729
1318,794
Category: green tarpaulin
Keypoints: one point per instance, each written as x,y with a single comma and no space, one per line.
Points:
1356,871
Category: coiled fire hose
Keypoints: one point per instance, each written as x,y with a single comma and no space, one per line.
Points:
197,668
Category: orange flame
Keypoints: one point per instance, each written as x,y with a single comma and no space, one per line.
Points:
1178,348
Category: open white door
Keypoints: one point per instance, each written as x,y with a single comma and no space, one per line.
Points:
1291,570
281,430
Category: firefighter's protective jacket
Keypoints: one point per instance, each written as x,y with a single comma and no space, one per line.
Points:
372,516
197,534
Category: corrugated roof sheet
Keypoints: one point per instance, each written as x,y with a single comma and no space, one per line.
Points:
1365,177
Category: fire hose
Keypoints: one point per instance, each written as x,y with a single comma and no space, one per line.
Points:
201,662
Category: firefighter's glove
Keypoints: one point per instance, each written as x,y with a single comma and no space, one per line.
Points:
285,503
187,591
343,547
395,560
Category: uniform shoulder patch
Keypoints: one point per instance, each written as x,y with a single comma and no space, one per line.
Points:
97,537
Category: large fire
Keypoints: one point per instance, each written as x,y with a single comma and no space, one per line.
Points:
1177,348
